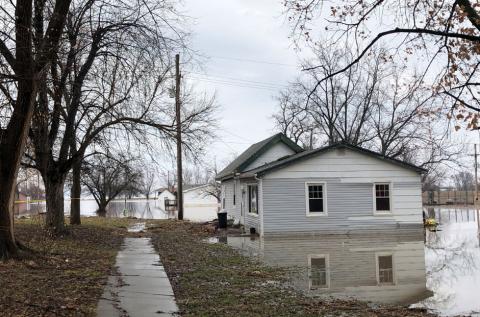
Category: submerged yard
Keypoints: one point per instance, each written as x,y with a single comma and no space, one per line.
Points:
216,280
214,274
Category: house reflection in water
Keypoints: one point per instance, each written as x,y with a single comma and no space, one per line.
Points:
382,268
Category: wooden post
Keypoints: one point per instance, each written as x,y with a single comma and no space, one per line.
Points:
476,176
179,138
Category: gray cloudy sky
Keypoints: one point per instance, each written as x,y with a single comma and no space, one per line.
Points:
250,58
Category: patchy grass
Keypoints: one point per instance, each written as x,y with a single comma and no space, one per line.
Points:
63,276
215,280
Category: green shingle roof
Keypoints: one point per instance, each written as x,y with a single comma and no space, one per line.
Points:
253,152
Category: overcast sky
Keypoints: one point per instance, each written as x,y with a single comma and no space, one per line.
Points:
250,59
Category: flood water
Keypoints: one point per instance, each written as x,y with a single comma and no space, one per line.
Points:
143,209
438,270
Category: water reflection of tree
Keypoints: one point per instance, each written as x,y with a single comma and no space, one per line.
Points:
147,212
453,257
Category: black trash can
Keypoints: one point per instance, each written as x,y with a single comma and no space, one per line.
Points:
222,219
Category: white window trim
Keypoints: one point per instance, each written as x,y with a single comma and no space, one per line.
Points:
248,201
390,201
394,268
307,203
327,270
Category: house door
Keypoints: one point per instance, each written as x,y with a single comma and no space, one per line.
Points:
242,207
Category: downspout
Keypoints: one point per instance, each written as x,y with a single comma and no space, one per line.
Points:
260,214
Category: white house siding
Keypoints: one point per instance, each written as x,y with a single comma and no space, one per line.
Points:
272,154
163,196
349,178
227,194
239,210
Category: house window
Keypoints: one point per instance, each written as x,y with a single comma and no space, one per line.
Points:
385,269
315,199
253,199
382,197
318,271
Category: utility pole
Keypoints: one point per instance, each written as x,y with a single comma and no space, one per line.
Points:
476,175
179,138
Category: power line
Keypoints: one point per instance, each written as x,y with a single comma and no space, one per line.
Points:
234,79
254,61
236,84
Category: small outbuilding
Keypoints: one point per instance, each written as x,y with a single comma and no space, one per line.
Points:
164,194
276,187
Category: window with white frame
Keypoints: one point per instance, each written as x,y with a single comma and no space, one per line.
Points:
318,271
315,198
253,199
385,269
382,197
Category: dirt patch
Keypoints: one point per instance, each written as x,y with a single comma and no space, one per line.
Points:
215,280
63,276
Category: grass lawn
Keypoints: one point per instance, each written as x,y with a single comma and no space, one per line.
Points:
215,280
61,277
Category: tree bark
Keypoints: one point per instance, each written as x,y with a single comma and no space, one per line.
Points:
55,221
102,210
8,245
75,194
12,146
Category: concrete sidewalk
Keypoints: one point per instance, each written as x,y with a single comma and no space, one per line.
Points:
141,287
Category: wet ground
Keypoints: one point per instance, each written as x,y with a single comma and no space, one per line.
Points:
141,286
142,209
437,270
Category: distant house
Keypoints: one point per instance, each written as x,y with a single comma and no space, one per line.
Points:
275,187
164,194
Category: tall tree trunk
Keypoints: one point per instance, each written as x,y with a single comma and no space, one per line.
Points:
75,194
8,246
102,209
12,146
55,221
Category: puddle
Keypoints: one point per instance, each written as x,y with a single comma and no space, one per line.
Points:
215,240
138,227
439,271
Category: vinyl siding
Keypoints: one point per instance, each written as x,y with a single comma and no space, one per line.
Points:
239,211
274,153
227,194
349,177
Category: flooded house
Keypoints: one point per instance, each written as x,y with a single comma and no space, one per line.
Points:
386,268
276,187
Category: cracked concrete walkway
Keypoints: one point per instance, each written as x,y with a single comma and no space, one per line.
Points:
141,287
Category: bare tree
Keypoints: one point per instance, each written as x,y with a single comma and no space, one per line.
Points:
292,119
373,104
106,178
26,50
111,76
445,34
147,183
464,181
214,188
